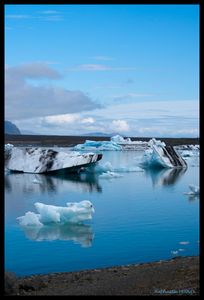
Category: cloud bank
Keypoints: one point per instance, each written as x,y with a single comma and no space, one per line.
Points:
25,100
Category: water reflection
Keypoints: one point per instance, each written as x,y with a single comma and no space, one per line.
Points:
165,177
78,233
31,183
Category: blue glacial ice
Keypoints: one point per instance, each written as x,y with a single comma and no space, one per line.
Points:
98,145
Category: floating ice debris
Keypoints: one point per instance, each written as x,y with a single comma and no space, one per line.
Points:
195,190
110,175
39,160
98,145
37,181
30,219
162,156
128,169
8,147
78,233
174,252
184,243
181,250
72,213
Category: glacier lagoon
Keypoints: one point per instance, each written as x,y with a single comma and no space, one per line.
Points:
140,216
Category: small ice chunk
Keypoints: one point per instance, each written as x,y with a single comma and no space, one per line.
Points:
174,252
195,190
37,181
181,249
110,175
184,243
30,219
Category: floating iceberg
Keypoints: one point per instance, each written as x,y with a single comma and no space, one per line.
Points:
128,144
161,156
120,140
39,160
116,143
110,175
108,167
98,145
72,213
194,190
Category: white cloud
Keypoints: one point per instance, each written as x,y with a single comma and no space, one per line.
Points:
61,119
120,126
98,67
100,57
49,12
18,16
88,120
24,100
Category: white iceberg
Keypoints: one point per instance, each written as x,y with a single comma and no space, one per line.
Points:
128,144
120,140
194,190
39,160
160,155
73,213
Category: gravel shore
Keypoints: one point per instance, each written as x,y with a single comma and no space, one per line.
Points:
177,276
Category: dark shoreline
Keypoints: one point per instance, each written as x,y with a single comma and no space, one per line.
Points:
177,276
69,141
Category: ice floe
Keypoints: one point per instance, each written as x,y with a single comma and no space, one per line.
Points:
161,156
194,190
184,242
98,145
116,143
39,160
108,171
73,213
110,175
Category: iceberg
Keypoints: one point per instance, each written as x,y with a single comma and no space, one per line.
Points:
39,160
98,145
47,214
128,144
194,190
161,156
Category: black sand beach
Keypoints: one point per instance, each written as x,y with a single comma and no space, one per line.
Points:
178,276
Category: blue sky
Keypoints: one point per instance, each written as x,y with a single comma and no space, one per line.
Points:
130,69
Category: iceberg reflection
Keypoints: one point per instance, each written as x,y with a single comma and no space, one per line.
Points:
165,177
78,233
32,183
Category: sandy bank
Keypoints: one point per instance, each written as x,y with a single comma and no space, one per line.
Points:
178,276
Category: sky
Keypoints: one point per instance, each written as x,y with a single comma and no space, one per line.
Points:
80,69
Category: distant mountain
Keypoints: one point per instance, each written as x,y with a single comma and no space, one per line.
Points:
10,128
99,134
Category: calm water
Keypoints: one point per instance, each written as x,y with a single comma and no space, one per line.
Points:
139,217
